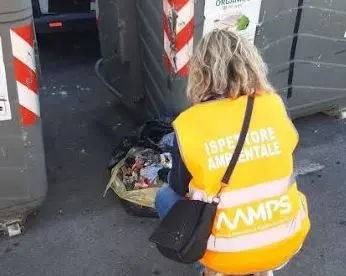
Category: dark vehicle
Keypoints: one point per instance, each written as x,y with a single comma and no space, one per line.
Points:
64,15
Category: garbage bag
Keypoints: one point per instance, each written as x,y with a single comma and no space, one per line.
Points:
155,134
120,151
140,202
140,165
154,130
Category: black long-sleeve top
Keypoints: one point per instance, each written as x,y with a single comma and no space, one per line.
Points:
179,177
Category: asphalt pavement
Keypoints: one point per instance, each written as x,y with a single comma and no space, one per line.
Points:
78,232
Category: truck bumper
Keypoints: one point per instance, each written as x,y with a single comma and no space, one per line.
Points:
65,22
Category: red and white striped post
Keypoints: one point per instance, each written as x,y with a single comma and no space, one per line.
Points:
24,63
178,26
24,181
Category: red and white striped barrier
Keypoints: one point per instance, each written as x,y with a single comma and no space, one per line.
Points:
22,39
178,25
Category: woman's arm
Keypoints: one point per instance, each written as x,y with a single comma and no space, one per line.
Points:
179,177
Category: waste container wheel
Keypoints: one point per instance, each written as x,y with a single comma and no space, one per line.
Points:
137,210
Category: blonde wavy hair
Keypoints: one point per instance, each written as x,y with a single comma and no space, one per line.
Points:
225,65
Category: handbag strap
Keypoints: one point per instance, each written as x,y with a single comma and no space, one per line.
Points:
240,144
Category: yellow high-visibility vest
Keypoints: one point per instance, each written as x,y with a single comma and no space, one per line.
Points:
262,218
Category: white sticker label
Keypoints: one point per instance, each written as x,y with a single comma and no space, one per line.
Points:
5,108
236,15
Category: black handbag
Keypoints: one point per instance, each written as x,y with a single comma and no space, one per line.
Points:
183,234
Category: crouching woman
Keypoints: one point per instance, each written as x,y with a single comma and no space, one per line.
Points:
262,218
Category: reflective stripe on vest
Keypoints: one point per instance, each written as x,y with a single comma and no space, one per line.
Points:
230,199
258,239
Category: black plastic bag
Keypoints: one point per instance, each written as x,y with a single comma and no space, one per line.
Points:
149,136
154,130
120,151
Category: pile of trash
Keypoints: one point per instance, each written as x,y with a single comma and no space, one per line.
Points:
140,166
145,168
